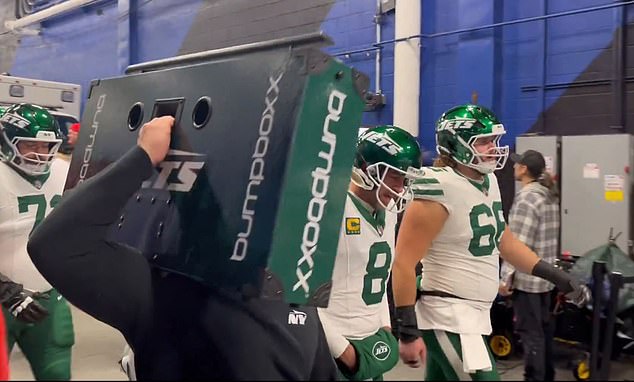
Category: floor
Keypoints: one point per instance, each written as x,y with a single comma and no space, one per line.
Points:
513,370
98,349
96,353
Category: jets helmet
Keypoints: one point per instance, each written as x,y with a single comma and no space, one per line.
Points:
386,148
460,127
26,123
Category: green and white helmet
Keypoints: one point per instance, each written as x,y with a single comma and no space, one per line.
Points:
28,123
382,148
459,128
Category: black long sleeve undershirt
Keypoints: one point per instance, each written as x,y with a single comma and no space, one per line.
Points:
107,280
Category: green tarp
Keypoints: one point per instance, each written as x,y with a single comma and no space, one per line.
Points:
616,261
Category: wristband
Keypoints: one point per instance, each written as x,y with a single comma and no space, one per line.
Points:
407,328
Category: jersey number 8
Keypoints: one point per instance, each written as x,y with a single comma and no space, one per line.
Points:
374,272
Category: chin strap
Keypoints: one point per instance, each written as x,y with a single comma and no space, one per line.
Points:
361,179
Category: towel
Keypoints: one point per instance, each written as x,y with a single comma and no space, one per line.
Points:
475,355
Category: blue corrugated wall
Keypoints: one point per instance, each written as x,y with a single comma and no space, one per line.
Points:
351,26
510,68
90,43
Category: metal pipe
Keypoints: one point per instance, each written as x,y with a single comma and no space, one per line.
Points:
576,84
377,58
400,39
124,46
505,23
618,71
616,283
542,70
529,19
498,57
47,13
347,52
489,26
305,39
598,274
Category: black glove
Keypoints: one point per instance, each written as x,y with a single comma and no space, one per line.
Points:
25,307
21,303
575,292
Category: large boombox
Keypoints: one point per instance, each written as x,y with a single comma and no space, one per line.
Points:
253,188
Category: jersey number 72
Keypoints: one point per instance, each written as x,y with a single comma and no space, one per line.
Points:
39,201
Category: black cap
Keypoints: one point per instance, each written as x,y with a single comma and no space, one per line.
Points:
532,159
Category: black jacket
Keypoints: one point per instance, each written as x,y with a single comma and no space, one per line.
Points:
177,327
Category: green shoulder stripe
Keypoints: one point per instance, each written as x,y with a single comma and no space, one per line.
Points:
426,181
435,169
428,192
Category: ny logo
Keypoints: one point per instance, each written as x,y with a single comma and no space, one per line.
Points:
296,318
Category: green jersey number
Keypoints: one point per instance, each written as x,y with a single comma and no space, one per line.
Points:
492,232
39,201
374,272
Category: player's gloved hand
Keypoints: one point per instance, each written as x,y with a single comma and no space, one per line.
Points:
20,302
575,292
580,294
24,306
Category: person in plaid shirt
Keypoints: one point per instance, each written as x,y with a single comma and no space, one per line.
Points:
534,220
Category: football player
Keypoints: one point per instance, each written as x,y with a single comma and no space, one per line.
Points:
31,184
357,320
456,227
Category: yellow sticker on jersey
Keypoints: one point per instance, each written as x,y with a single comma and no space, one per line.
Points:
353,226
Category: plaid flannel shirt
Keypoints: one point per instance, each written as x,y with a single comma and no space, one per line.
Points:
534,220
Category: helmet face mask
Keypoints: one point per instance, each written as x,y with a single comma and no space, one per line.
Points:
459,130
387,151
491,160
378,172
24,130
34,162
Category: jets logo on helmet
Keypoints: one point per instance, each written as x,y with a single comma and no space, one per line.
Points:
386,148
457,123
460,128
384,142
29,139
15,120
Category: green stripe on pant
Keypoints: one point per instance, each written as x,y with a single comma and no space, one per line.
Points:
444,359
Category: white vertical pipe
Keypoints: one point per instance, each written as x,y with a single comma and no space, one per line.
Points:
377,58
407,66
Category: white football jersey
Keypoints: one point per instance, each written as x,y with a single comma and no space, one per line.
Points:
464,258
358,301
22,207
